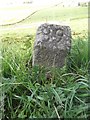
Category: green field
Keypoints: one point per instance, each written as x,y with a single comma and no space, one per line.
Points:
74,17
59,14
56,13
28,92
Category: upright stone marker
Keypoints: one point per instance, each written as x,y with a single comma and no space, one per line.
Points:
51,46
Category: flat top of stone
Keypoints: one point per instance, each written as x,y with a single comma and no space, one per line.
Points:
53,36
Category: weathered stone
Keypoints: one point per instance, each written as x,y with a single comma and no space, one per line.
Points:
51,46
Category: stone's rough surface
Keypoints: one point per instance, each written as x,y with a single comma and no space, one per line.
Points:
51,46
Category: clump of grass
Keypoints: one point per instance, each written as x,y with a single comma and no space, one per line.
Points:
29,93
78,58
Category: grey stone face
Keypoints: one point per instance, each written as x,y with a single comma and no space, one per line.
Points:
51,45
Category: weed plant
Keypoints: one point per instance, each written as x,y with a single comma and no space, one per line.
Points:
29,93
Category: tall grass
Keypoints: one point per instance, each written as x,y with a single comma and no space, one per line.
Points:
29,93
78,59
